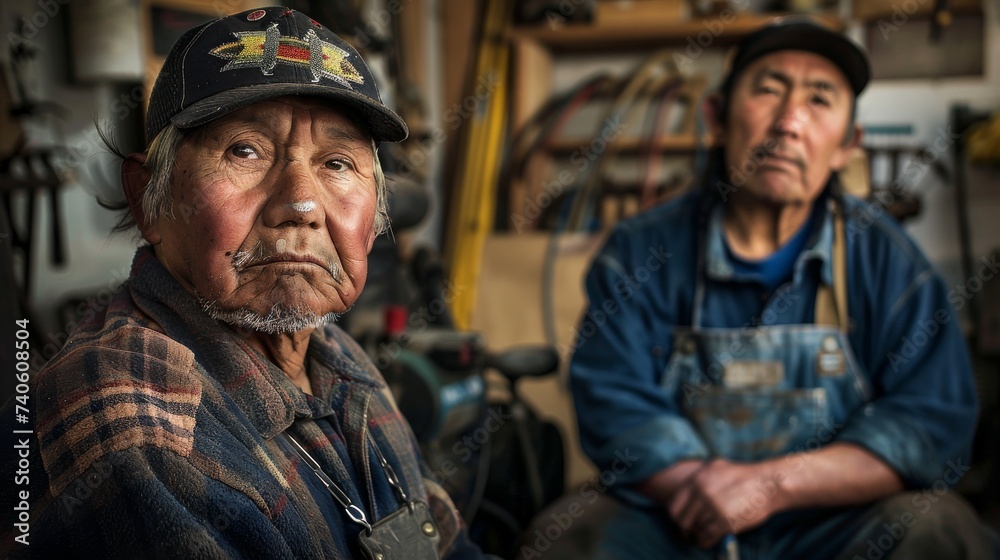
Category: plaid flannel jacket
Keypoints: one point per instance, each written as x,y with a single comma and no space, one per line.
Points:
155,429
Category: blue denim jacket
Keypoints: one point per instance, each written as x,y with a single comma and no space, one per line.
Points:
905,334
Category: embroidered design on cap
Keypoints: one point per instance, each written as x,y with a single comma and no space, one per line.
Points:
256,15
265,49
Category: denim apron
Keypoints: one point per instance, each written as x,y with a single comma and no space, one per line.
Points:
754,393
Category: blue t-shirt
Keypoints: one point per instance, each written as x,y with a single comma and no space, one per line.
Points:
775,269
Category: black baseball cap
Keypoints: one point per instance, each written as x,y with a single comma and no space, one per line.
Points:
235,61
801,34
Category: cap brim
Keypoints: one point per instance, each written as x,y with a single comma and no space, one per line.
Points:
816,39
383,124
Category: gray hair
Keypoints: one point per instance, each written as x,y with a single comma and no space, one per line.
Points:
381,198
160,157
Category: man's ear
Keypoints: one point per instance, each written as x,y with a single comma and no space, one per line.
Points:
843,154
135,177
371,239
712,107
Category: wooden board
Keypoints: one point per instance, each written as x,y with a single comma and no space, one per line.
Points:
532,75
856,175
624,13
532,83
509,312
644,35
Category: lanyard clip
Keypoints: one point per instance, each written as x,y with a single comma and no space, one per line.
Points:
358,516
354,512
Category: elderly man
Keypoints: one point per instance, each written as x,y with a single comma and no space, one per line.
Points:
794,383
212,410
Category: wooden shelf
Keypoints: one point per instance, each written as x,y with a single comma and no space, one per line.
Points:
680,144
537,49
590,38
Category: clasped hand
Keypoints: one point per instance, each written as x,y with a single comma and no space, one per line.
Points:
722,497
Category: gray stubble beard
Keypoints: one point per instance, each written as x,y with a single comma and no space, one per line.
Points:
280,319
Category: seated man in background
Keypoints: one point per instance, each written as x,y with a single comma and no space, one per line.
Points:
213,410
794,383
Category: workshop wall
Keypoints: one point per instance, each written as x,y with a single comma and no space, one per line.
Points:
924,104
96,262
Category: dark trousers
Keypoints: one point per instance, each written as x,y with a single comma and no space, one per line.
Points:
910,525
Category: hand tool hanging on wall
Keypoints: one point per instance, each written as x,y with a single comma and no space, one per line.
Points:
28,170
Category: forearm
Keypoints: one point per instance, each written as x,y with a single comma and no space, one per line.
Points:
709,500
662,486
839,474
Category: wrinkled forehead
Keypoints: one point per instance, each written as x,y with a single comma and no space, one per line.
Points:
800,67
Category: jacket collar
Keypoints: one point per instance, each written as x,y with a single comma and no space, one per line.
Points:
819,247
260,389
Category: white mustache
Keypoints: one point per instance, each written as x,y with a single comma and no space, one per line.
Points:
244,259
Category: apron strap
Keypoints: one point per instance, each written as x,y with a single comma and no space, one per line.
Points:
831,302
